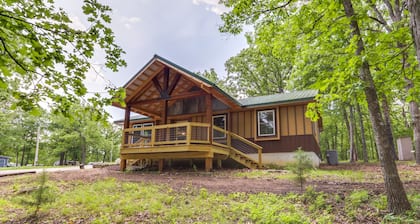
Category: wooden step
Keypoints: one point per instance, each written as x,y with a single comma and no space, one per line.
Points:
243,159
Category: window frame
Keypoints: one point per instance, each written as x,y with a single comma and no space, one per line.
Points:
142,132
273,111
225,125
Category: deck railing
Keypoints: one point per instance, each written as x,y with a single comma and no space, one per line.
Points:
169,134
187,133
232,140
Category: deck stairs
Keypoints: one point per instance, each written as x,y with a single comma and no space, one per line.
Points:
243,159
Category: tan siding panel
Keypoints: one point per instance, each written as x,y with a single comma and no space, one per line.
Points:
283,121
300,129
248,124
241,123
308,123
291,120
235,122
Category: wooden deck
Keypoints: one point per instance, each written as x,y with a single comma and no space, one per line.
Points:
187,140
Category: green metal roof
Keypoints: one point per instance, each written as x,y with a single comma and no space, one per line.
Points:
294,96
133,118
303,95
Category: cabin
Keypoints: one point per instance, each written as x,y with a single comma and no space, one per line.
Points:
185,116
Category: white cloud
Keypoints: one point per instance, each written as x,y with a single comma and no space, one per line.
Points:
77,23
212,5
128,21
95,80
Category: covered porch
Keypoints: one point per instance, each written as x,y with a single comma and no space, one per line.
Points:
187,140
180,106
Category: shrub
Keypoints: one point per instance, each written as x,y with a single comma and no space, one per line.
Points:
300,167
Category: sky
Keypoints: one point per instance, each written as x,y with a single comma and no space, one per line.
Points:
182,31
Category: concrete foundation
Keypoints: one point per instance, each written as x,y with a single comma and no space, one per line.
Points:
284,158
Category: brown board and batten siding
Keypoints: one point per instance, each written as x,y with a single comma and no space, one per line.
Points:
290,122
242,123
294,128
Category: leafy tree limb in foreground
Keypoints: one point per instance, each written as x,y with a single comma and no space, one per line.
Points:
47,57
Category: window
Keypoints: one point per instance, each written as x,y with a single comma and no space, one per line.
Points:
141,134
266,123
219,121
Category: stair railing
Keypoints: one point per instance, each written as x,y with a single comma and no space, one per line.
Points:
230,135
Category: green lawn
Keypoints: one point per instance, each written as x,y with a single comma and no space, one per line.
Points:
112,201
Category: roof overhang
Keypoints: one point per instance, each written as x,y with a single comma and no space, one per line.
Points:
159,73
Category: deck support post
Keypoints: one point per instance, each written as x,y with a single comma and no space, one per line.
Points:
169,163
209,116
126,122
123,164
209,164
219,164
160,165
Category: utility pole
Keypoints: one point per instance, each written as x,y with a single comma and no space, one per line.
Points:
38,133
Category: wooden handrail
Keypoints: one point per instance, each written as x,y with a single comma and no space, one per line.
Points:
246,141
153,141
188,137
229,135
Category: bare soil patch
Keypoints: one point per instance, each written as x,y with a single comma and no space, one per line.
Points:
224,181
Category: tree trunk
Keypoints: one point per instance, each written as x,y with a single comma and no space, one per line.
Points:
362,134
104,157
406,124
23,155
397,198
388,125
83,148
414,9
62,158
352,129
346,121
334,143
415,116
343,155
17,156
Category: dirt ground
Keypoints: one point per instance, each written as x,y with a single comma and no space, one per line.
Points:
223,181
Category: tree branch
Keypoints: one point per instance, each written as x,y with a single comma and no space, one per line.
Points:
275,8
11,56
380,18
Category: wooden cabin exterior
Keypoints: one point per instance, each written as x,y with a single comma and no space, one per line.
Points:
188,117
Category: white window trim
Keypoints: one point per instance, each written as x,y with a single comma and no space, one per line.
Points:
224,128
274,121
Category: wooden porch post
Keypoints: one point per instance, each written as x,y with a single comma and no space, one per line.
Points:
209,115
161,162
123,162
219,164
160,165
209,164
127,122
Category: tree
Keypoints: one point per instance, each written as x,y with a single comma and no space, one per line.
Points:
300,167
414,9
82,138
257,72
225,84
318,32
48,58
397,198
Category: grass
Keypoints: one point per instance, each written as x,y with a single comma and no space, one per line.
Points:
112,201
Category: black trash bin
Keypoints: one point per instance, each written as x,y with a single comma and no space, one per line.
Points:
332,157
